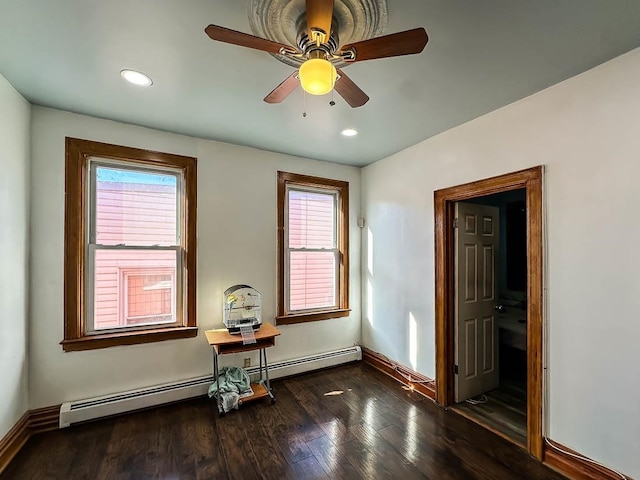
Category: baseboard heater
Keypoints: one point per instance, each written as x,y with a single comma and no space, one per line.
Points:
107,405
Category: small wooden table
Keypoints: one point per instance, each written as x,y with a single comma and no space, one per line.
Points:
223,342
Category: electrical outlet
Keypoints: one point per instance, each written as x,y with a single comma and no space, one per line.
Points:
247,362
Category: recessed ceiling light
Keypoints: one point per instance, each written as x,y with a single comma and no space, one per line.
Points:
349,132
136,78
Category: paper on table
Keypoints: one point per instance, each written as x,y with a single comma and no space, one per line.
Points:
247,335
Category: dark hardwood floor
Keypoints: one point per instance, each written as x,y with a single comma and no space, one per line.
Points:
368,427
505,409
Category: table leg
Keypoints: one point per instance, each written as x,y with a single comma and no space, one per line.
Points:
216,374
266,372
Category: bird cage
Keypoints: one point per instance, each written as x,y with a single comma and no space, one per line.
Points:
242,306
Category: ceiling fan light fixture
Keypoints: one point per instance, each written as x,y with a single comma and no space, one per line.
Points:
137,78
317,76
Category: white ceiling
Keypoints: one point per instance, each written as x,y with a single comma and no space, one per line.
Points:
67,54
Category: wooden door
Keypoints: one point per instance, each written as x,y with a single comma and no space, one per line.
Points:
476,238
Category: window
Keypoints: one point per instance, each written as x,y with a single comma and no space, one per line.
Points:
129,246
313,244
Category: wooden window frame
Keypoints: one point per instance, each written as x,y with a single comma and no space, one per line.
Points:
78,153
286,179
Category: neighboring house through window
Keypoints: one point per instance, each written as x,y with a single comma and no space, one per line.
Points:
129,246
313,244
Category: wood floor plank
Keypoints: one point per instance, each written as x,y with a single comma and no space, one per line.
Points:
240,460
392,399
330,456
47,459
179,441
270,460
285,418
380,461
202,437
335,404
90,446
128,447
367,428
462,437
308,469
505,410
309,401
432,460
355,405
294,448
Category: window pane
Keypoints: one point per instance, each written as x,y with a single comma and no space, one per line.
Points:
134,287
312,280
148,298
311,220
135,208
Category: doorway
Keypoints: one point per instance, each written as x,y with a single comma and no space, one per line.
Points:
490,280
529,184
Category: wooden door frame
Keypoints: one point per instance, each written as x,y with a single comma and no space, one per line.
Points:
531,181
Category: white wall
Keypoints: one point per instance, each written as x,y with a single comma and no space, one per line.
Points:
236,244
14,254
586,131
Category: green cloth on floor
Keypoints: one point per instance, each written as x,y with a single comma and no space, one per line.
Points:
231,380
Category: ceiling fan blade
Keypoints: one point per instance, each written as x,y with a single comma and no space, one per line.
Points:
350,91
227,35
319,15
396,44
283,90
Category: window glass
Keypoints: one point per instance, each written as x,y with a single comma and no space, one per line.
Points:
312,281
312,219
134,288
312,253
135,207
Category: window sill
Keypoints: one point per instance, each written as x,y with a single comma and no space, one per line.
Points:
312,316
93,342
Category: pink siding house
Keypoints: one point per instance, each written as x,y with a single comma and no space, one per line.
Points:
134,287
312,274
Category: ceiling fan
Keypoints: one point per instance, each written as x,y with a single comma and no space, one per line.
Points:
318,52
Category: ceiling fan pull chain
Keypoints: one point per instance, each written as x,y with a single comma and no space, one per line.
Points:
304,104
